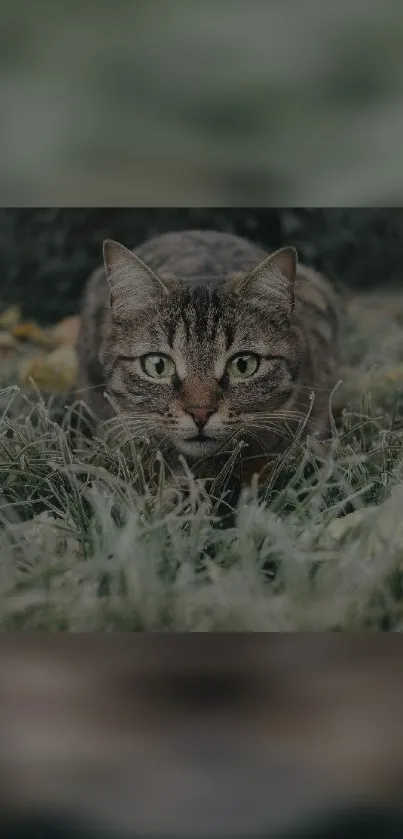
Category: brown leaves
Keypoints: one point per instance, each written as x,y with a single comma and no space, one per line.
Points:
46,357
53,373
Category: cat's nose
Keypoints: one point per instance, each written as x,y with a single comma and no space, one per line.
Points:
201,415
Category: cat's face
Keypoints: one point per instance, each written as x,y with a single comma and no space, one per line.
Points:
197,368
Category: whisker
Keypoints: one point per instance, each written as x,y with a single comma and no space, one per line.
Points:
280,413
87,389
316,389
270,422
279,420
282,432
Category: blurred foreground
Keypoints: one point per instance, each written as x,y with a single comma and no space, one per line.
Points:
201,735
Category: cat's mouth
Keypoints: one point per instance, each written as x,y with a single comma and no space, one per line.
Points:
200,445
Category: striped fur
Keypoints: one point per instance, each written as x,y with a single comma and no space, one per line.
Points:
200,297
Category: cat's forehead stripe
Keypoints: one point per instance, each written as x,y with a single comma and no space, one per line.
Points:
200,311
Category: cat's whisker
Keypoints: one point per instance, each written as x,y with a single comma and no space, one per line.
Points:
280,418
268,422
277,422
279,412
278,431
130,421
310,388
84,390
258,440
265,429
131,432
252,432
281,429
281,424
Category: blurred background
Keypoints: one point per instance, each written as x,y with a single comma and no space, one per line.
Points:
46,255
225,103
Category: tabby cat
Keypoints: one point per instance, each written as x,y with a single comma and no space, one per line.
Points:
201,339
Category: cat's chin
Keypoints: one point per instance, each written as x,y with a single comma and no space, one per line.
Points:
196,448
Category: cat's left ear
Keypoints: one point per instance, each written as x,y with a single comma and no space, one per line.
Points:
132,284
273,280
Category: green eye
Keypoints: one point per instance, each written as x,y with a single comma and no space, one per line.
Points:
243,365
158,366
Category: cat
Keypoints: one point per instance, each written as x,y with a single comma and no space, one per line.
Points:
201,339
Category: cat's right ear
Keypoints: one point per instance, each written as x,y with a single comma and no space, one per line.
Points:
132,284
273,280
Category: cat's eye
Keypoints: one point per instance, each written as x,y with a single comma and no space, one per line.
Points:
243,365
158,366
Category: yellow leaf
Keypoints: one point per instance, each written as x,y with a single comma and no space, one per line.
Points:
65,333
10,317
30,331
53,373
395,375
7,342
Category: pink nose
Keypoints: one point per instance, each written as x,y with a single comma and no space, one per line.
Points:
201,415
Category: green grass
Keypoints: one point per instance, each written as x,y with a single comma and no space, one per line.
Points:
83,545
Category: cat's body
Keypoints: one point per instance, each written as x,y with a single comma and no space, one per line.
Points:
217,309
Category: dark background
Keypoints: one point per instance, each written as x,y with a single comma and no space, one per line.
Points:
47,254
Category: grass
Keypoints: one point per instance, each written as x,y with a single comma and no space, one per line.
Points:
84,547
